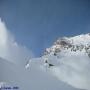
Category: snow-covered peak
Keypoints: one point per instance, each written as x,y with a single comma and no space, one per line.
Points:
83,39
80,42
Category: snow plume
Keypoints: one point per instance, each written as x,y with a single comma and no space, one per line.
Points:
9,48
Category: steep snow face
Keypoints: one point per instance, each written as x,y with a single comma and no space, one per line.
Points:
33,78
73,69
69,60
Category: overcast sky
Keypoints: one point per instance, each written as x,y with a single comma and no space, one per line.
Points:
38,23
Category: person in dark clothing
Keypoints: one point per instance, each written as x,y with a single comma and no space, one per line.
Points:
50,65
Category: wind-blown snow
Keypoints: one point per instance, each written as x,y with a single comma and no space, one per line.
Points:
10,49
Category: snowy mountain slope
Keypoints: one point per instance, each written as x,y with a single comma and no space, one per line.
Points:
63,66
74,70
33,78
69,60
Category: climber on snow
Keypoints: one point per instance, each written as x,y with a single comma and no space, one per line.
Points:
48,64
